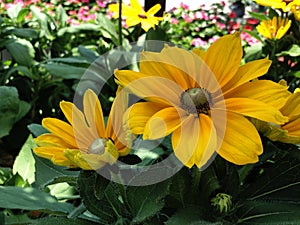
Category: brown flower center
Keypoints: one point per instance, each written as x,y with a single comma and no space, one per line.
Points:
142,16
98,146
196,100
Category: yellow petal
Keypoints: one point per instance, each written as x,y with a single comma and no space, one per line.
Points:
93,113
142,85
248,72
164,122
138,114
224,56
185,141
51,140
207,144
82,133
60,129
292,106
266,91
255,109
153,10
241,144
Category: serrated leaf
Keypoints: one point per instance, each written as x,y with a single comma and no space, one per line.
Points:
22,51
101,208
145,201
48,173
24,163
31,199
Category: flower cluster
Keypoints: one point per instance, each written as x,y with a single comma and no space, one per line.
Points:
205,100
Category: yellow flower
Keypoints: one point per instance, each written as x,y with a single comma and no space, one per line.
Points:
183,98
134,14
275,28
295,8
84,142
285,5
288,132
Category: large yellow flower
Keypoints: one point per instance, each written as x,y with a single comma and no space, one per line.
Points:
85,142
288,132
285,5
203,99
275,28
134,14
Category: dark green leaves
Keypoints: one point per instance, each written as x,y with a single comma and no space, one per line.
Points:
12,109
31,199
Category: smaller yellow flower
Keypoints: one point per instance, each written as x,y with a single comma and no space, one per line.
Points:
288,132
134,14
85,142
295,8
285,5
275,28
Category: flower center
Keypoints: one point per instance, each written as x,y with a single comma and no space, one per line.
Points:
196,100
98,146
142,16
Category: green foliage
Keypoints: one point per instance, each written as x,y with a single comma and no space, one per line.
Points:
12,109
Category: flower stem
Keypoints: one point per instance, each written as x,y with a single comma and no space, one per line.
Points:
120,23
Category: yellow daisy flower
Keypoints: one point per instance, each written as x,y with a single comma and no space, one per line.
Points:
275,28
288,132
295,8
285,5
203,99
134,14
85,142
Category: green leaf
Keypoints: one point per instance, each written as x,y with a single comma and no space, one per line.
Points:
253,52
23,70
269,212
61,15
294,51
13,11
12,219
280,181
31,199
259,16
43,20
145,201
22,14
24,163
65,71
23,32
48,173
190,215
22,51
87,188
37,129
61,221
5,174
87,53
11,109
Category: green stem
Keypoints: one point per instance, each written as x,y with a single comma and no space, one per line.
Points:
197,177
120,23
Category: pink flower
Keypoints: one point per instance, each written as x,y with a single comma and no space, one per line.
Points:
187,18
221,25
249,39
174,21
73,22
184,6
223,3
101,3
198,42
